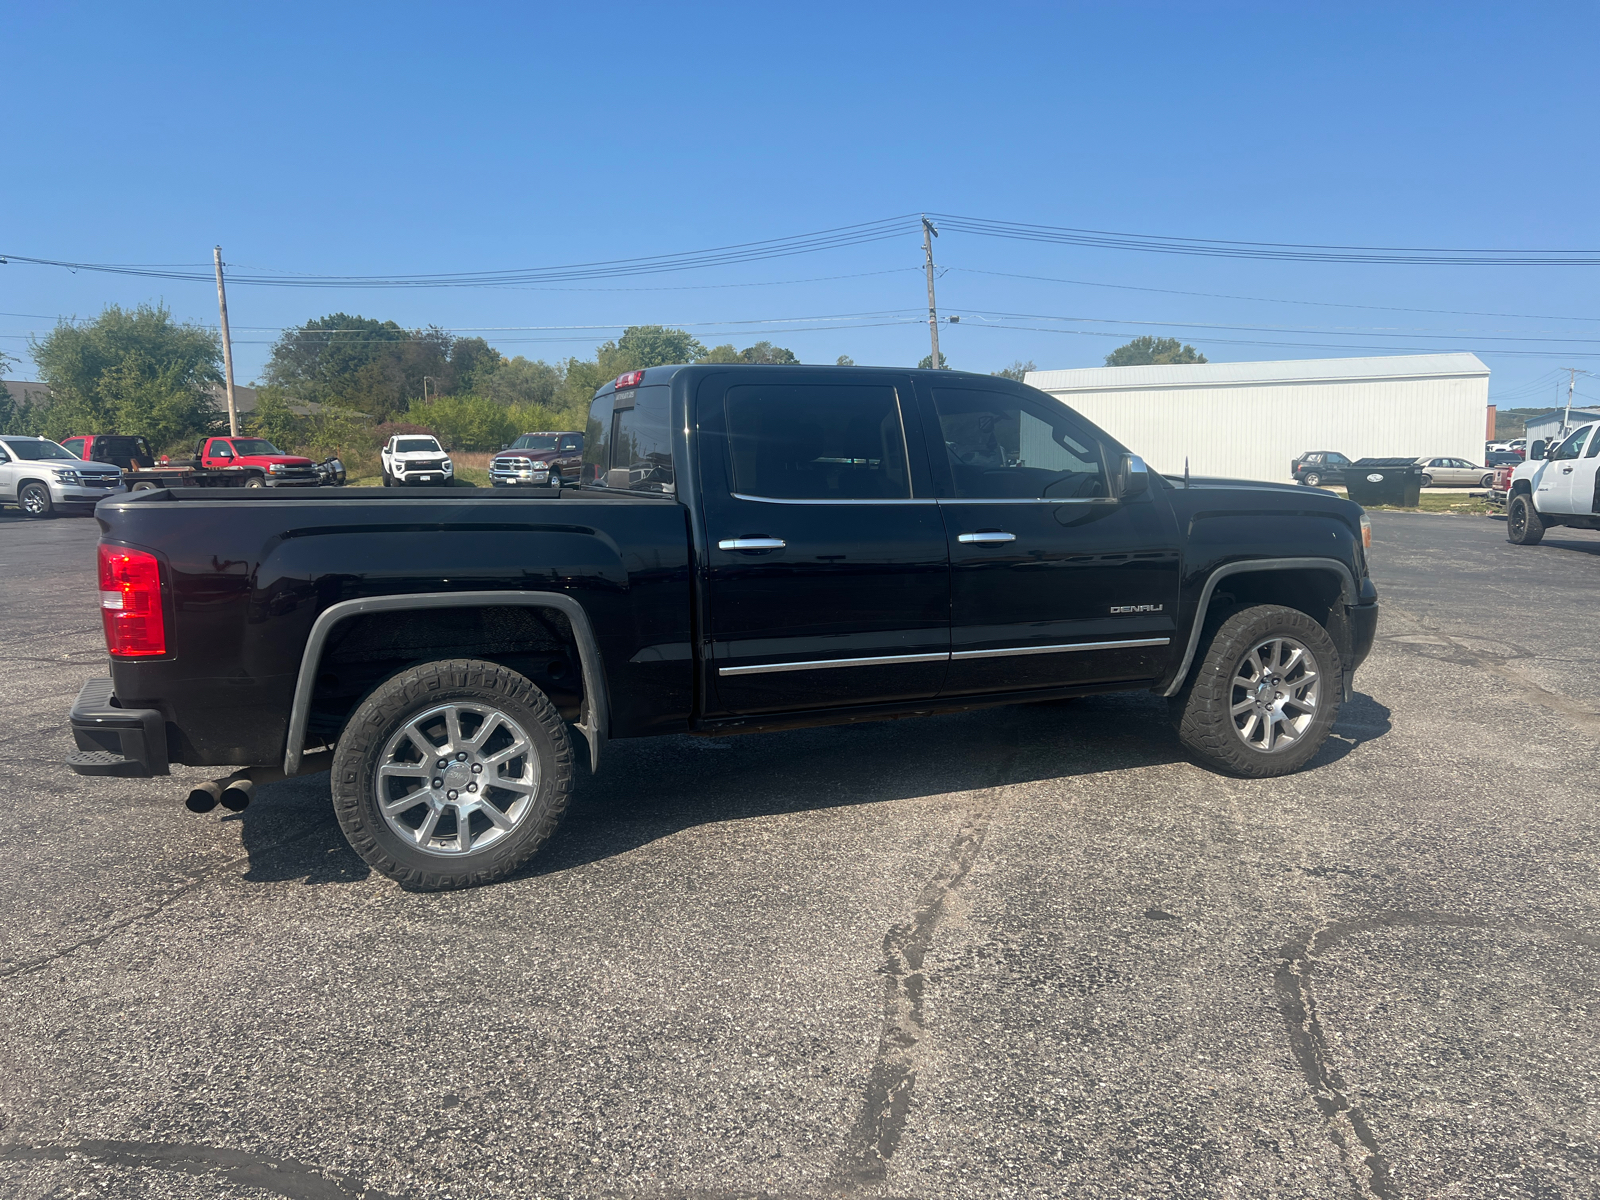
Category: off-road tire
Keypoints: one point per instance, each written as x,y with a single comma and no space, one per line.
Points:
255,481
34,500
1201,710
387,482
398,700
1524,527
1311,479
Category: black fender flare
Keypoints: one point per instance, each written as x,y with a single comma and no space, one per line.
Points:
594,720
1347,591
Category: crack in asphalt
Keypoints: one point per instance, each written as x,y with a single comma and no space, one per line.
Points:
876,1134
282,1176
38,963
1462,653
1347,1123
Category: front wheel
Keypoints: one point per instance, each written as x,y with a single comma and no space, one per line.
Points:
1427,481
1312,479
34,499
1265,694
452,773
1524,527
255,481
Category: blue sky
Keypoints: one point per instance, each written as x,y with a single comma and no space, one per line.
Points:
403,139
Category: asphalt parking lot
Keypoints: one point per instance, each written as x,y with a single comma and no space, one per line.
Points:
1023,952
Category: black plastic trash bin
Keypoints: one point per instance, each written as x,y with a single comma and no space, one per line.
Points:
1396,481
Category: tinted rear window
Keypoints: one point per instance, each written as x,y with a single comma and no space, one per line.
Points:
817,442
629,441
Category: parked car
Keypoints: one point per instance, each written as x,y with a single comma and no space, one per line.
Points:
39,476
217,462
1441,471
410,458
1520,445
1502,458
1500,489
539,459
1319,468
762,548
1562,488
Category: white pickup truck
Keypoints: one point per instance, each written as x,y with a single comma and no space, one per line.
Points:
1562,488
413,458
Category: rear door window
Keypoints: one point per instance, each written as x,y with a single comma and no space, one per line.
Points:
817,442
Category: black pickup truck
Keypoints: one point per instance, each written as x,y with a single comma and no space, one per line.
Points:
757,548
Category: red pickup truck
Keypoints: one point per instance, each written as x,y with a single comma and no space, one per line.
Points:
218,462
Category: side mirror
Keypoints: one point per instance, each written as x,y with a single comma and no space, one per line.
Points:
1536,449
1133,477
505,445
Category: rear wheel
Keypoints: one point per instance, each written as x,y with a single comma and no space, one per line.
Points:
451,774
1264,696
1486,481
1523,524
1312,479
144,486
34,499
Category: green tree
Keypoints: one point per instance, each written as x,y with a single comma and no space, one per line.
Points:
375,367
1018,370
130,371
1147,350
927,362
643,346
472,363
844,360
762,353
518,381
467,422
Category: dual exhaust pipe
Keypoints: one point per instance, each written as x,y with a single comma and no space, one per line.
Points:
234,792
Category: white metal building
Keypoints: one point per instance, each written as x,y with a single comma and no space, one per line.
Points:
1249,420
1549,425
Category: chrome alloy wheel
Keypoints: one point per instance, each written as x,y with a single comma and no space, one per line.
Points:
35,501
1275,694
457,779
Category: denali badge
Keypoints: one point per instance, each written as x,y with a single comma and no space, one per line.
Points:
1127,608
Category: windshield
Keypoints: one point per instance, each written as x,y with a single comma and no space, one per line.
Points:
254,446
34,449
415,446
534,441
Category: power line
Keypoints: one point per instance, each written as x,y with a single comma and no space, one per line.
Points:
1271,251
1128,287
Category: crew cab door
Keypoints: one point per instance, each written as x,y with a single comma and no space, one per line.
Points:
1571,474
826,578
1054,581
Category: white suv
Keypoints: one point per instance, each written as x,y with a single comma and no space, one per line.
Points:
415,458
39,476
1561,489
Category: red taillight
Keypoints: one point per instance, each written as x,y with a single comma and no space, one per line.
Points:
130,602
630,380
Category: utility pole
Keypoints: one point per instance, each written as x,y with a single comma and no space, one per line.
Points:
227,346
1572,379
928,234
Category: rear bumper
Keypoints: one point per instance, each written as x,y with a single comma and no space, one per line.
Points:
113,740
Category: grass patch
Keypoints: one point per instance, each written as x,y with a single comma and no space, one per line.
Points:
1459,503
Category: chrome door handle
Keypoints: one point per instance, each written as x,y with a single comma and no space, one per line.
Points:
751,543
1566,470
989,537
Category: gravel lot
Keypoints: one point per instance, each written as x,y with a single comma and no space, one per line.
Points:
1024,952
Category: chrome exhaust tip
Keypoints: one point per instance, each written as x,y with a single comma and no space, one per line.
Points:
237,795
204,797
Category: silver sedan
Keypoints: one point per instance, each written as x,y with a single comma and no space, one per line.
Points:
1454,472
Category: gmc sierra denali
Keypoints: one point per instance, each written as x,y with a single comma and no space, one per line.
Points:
756,548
